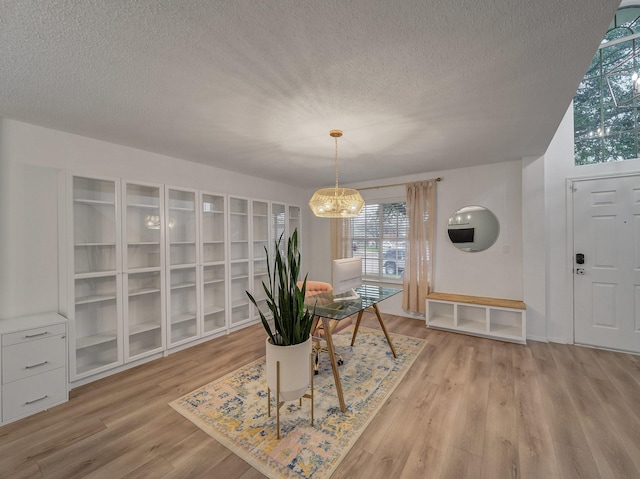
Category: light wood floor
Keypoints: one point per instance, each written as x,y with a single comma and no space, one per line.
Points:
468,408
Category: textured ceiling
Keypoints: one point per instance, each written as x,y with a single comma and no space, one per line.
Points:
255,86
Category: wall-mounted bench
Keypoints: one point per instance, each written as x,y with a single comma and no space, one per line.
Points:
494,318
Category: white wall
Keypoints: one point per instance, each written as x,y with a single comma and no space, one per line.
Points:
558,166
32,156
534,257
495,272
531,259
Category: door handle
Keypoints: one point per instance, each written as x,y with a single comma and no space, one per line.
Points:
580,271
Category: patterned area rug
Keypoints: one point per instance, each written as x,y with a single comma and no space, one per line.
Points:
233,409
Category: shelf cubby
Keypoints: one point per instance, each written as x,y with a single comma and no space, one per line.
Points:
212,225
183,258
239,250
239,313
96,339
214,321
238,206
213,251
471,318
294,218
144,339
145,299
93,190
94,257
214,294
96,289
95,286
143,255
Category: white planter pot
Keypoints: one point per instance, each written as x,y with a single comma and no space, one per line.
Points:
295,369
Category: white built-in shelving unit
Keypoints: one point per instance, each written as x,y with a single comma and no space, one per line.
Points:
261,239
285,219
239,261
182,258
279,226
95,282
293,219
143,269
152,268
214,262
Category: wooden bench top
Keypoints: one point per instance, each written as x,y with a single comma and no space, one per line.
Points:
479,300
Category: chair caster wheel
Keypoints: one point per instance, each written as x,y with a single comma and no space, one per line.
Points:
340,362
315,373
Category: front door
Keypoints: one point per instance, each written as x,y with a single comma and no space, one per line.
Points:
606,257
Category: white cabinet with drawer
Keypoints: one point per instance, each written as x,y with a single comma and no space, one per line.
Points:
33,362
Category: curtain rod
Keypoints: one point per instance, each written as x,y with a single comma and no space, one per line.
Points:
439,178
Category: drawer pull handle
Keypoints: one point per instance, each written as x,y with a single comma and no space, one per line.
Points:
36,365
36,400
36,335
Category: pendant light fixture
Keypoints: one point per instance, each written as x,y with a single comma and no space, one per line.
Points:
335,202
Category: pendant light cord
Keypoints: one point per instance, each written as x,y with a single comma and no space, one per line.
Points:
335,161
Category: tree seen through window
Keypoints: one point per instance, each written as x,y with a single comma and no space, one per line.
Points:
607,103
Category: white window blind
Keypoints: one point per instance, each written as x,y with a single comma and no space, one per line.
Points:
378,236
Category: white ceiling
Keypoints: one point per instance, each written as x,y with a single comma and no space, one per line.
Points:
255,86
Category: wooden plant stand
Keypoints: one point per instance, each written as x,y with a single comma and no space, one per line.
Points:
279,403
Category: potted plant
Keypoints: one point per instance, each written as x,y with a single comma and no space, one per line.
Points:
290,342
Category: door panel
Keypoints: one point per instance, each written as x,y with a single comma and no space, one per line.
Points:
604,305
606,223
605,241
637,308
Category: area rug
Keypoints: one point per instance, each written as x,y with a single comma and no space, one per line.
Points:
233,409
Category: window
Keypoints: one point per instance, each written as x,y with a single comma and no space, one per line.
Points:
378,236
607,103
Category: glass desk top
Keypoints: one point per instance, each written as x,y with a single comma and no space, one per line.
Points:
327,306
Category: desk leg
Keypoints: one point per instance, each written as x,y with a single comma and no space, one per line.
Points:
375,308
355,330
334,363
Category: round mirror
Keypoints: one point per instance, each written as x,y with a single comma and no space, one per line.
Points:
473,228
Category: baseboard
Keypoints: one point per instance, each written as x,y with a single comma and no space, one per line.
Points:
621,351
540,339
153,357
111,372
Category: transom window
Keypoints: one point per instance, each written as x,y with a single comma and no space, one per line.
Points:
606,105
378,236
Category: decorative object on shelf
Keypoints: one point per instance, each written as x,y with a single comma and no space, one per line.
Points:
152,222
292,321
336,202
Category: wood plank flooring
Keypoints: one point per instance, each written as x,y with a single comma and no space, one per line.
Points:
468,408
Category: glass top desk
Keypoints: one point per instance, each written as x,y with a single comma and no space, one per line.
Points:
328,308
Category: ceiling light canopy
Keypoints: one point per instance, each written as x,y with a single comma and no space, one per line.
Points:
336,202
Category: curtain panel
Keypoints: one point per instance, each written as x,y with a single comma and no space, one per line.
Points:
340,238
418,270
